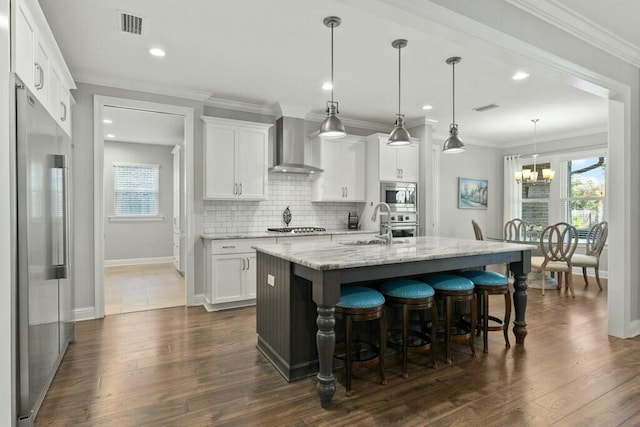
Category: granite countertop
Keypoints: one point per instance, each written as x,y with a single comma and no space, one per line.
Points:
263,234
339,255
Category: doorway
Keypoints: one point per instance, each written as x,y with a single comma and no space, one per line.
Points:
142,210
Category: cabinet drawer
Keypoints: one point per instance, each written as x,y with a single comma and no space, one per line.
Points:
237,245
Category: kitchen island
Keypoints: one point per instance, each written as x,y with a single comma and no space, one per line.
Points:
298,285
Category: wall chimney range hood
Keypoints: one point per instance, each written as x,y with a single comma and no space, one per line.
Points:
289,144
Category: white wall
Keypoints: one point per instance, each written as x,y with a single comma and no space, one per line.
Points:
139,239
479,163
7,259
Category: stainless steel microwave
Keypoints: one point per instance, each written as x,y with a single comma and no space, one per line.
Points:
400,196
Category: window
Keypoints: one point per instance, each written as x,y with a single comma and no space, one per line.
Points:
136,189
583,195
536,198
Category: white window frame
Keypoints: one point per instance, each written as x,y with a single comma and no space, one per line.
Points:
115,217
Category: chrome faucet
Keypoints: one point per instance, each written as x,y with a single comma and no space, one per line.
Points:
388,237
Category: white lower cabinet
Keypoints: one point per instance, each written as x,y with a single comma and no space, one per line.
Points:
231,273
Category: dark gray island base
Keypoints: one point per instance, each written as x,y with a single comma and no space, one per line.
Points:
298,285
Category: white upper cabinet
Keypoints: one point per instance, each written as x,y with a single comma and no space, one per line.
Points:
397,163
235,156
343,161
38,63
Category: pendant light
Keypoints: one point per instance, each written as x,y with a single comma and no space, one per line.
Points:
528,176
453,143
399,135
332,127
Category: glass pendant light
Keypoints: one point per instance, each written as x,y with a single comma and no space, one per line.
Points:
453,143
332,127
399,135
528,176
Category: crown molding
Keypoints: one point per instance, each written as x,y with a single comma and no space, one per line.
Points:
362,124
247,107
581,27
160,89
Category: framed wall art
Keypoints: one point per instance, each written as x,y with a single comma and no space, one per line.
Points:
473,193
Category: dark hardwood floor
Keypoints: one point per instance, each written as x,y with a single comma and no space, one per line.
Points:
186,367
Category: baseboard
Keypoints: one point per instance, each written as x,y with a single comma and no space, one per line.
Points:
84,313
197,300
590,272
228,305
634,329
136,261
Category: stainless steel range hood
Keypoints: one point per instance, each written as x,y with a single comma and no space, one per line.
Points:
289,145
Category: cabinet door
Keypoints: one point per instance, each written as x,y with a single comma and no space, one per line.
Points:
64,108
353,170
388,162
227,277
332,163
24,45
219,164
408,163
251,164
41,76
250,276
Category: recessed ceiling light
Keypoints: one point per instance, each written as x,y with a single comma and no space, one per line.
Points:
107,121
327,86
110,135
157,52
520,75
427,107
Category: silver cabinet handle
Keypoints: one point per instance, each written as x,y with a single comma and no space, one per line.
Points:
398,173
228,247
241,263
248,263
62,270
40,71
64,111
346,191
240,189
401,173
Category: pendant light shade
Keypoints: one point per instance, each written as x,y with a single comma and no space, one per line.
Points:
399,135
332,127
453,143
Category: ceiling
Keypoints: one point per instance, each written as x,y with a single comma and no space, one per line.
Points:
262,53
145,127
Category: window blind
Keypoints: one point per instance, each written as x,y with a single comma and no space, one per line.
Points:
136,189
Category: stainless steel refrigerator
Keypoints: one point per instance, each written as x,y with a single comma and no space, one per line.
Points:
43,284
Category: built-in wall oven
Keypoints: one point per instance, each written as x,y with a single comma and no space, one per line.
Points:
402,225
400,196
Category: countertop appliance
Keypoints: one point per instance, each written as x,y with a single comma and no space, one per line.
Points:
402,225
400,196
43,285
296,230
352,220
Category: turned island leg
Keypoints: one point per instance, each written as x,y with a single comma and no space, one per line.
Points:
520,271
326,342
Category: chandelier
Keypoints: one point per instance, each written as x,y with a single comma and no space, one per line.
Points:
529,176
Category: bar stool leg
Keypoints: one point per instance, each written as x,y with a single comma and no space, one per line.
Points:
383,346
349,325
485,321
507,317
434,331
447,332
405,340
474,320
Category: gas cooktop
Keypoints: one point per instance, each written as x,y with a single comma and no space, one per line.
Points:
296,229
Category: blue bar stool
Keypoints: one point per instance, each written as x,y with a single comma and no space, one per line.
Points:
489,283
412,295
358,304
454,289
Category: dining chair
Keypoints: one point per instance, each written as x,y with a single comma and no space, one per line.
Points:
558,243
477,230
515,229
596,238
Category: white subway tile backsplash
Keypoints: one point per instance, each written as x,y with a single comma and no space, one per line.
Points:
291,190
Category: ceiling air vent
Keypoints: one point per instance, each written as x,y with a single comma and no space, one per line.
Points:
485,108
130,24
